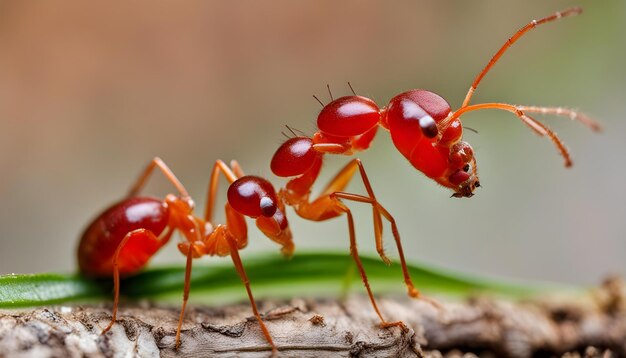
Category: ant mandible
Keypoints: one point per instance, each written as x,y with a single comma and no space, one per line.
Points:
124,237
422,127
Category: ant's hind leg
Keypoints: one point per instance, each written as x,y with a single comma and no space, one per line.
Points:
185,294
148,244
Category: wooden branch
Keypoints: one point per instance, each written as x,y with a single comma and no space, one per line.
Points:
324,327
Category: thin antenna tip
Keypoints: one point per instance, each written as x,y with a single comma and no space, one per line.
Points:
577,10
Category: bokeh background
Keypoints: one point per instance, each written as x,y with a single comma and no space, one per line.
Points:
91,91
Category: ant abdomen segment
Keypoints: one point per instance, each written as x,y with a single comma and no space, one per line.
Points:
96,256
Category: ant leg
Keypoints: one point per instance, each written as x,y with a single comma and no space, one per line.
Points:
341,180
355,255
234,254
329,206
413,292
532,123
185,294
143,238
332,148
338,184
230,175
236,168
531,25
143,178
237,228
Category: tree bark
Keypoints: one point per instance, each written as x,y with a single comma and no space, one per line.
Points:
591,326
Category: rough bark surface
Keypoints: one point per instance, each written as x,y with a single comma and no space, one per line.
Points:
594,326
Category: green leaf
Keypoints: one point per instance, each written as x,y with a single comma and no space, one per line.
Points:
39,289
312,274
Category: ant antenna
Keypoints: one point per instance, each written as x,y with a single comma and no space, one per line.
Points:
318,100
285,134
352,89
531,25
329,92
470,129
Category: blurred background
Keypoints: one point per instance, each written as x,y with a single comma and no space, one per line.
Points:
90,92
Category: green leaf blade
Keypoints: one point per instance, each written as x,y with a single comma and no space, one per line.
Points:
307,274
41,289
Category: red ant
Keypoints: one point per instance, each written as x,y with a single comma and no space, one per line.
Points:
122,240
422,127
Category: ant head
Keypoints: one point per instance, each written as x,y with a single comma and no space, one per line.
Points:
253,196
464,177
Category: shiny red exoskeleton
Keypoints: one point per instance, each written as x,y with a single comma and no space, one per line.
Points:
122,240
425,131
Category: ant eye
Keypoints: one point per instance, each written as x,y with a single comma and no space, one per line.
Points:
466,168
268,207
428,126
477,185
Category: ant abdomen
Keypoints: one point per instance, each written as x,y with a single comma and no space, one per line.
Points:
98,244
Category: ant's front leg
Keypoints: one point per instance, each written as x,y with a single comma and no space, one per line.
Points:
230,238
234,254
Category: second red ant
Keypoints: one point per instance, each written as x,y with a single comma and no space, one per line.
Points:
425,131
